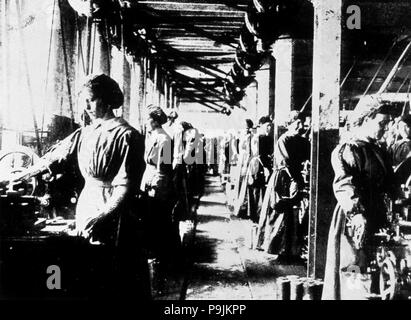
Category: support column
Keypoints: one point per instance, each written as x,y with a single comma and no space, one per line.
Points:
170,97
156,92
291,75
282,52
251,101
126,88
325,126
293,72
175,100
101,48
271,101
149,88
262,78
137,93
4,66
166,94
120,71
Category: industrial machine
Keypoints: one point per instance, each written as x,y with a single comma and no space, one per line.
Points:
390,270
28,206
21,210
37,229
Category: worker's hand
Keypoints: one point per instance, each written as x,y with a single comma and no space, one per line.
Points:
358,225
92,222
84,234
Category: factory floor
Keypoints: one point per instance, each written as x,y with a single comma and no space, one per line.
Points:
219,263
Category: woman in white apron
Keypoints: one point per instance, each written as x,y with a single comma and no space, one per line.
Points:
109,154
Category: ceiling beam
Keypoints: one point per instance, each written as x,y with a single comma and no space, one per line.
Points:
160,15
200,98
199,85
225,25
199,43
236,4
199,19
192,6
190,61
205,103
189,93
212,91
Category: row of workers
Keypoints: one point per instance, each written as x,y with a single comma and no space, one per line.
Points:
137,189
370,164
269,183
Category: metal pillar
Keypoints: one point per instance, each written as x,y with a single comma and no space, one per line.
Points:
325,124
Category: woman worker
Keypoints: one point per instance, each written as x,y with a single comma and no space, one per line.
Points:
109,153
157,185
280,231
363,177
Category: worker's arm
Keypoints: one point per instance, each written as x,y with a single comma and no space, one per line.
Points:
58,154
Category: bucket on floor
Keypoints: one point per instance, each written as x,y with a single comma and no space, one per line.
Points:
251,231
313,289
254,236
283,288
296,288
308,290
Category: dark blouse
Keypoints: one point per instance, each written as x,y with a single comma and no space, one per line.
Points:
292,151
363,175
109,151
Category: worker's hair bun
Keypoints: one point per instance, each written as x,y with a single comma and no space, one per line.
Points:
157,114
106,89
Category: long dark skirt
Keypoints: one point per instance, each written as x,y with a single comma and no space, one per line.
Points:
342,259
280,231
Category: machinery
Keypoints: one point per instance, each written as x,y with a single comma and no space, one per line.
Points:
20,208
390,269
390,273
27,206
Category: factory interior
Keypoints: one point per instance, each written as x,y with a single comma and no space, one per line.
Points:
260,94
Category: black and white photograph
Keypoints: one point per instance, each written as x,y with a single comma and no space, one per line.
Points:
222,151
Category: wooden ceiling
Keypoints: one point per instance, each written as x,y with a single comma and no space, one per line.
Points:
199,39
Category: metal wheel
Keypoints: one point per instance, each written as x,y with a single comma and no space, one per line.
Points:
15,161
388,277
